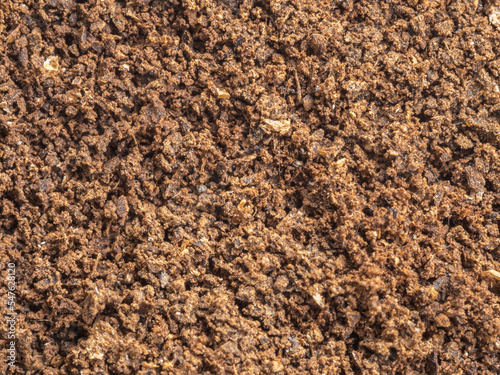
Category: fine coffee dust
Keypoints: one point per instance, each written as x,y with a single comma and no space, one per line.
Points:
251,187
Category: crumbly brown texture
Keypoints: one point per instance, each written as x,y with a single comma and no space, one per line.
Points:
251,187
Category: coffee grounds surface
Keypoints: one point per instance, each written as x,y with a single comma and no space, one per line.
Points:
251,187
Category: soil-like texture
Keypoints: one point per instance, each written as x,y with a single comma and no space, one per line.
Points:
251,187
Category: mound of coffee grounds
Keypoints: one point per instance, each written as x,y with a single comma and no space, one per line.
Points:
251,187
